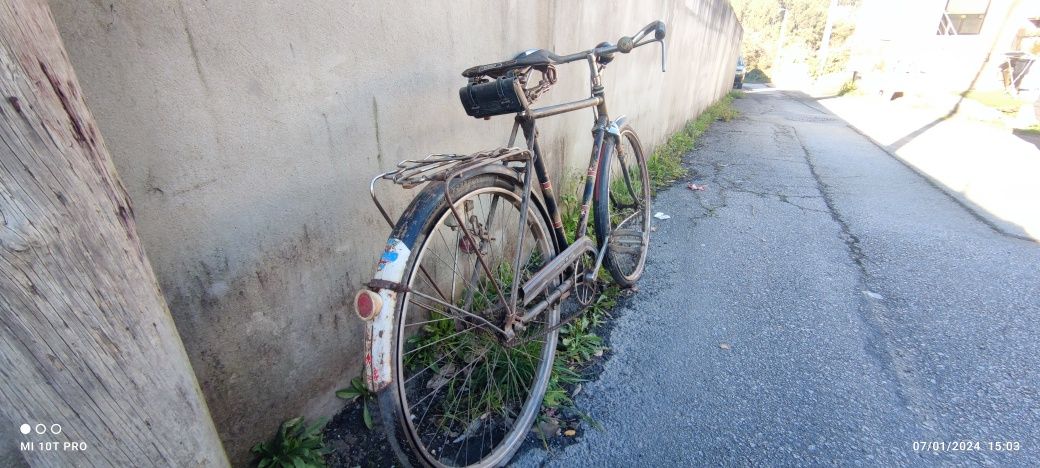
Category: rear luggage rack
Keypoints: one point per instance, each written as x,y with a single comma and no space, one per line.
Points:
412,173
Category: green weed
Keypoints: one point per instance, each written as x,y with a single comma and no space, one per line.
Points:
579,343
358,391
849,87
295,445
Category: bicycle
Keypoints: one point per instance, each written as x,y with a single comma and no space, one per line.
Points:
464,309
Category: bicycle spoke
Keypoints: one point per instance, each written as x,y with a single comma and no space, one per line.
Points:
436,390
424,322
455,309
427,345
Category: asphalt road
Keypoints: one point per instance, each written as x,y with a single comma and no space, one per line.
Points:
819,303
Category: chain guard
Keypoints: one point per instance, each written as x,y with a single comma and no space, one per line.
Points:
593,292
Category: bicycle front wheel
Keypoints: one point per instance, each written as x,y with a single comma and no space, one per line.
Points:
622,208
463,396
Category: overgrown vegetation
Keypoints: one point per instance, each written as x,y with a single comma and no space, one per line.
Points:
295,446
503,372
665,164
999,100
358,391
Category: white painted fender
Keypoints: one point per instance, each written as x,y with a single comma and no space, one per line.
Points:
379,333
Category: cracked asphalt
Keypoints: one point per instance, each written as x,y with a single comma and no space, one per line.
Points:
819,303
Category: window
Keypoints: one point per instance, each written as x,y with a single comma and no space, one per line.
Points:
963,17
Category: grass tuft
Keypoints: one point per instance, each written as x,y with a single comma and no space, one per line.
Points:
998,100
296,445
665,163
850,88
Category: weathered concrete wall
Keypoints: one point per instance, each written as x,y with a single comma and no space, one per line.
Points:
247,132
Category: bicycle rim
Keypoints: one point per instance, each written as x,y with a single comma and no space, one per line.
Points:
464,398
628,210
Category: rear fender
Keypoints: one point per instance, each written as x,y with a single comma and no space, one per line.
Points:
379,332
392,268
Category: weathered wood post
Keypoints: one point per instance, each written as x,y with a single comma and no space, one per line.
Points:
88,350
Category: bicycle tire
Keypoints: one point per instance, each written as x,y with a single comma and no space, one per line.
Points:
625,271
430,210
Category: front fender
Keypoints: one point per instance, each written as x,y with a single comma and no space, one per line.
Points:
617,124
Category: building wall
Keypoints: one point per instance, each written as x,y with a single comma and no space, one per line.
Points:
900,38
247,132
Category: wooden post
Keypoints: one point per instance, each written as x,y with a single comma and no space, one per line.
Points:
87,345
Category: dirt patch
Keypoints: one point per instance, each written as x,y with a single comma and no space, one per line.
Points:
352,444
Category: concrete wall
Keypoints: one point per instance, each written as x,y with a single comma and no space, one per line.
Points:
246,133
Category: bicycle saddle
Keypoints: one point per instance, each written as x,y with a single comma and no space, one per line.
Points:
536,58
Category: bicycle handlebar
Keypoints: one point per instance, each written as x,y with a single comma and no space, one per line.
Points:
624,45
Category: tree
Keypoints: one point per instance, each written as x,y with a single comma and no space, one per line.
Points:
87,345
806,21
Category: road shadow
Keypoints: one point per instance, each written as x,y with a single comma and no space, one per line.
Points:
1029,136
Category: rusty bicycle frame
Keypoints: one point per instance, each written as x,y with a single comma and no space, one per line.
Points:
448,168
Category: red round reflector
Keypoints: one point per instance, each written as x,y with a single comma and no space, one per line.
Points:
367,304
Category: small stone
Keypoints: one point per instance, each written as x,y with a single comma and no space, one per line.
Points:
547,428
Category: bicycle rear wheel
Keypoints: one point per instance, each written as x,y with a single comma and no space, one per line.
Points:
622,208
461,396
